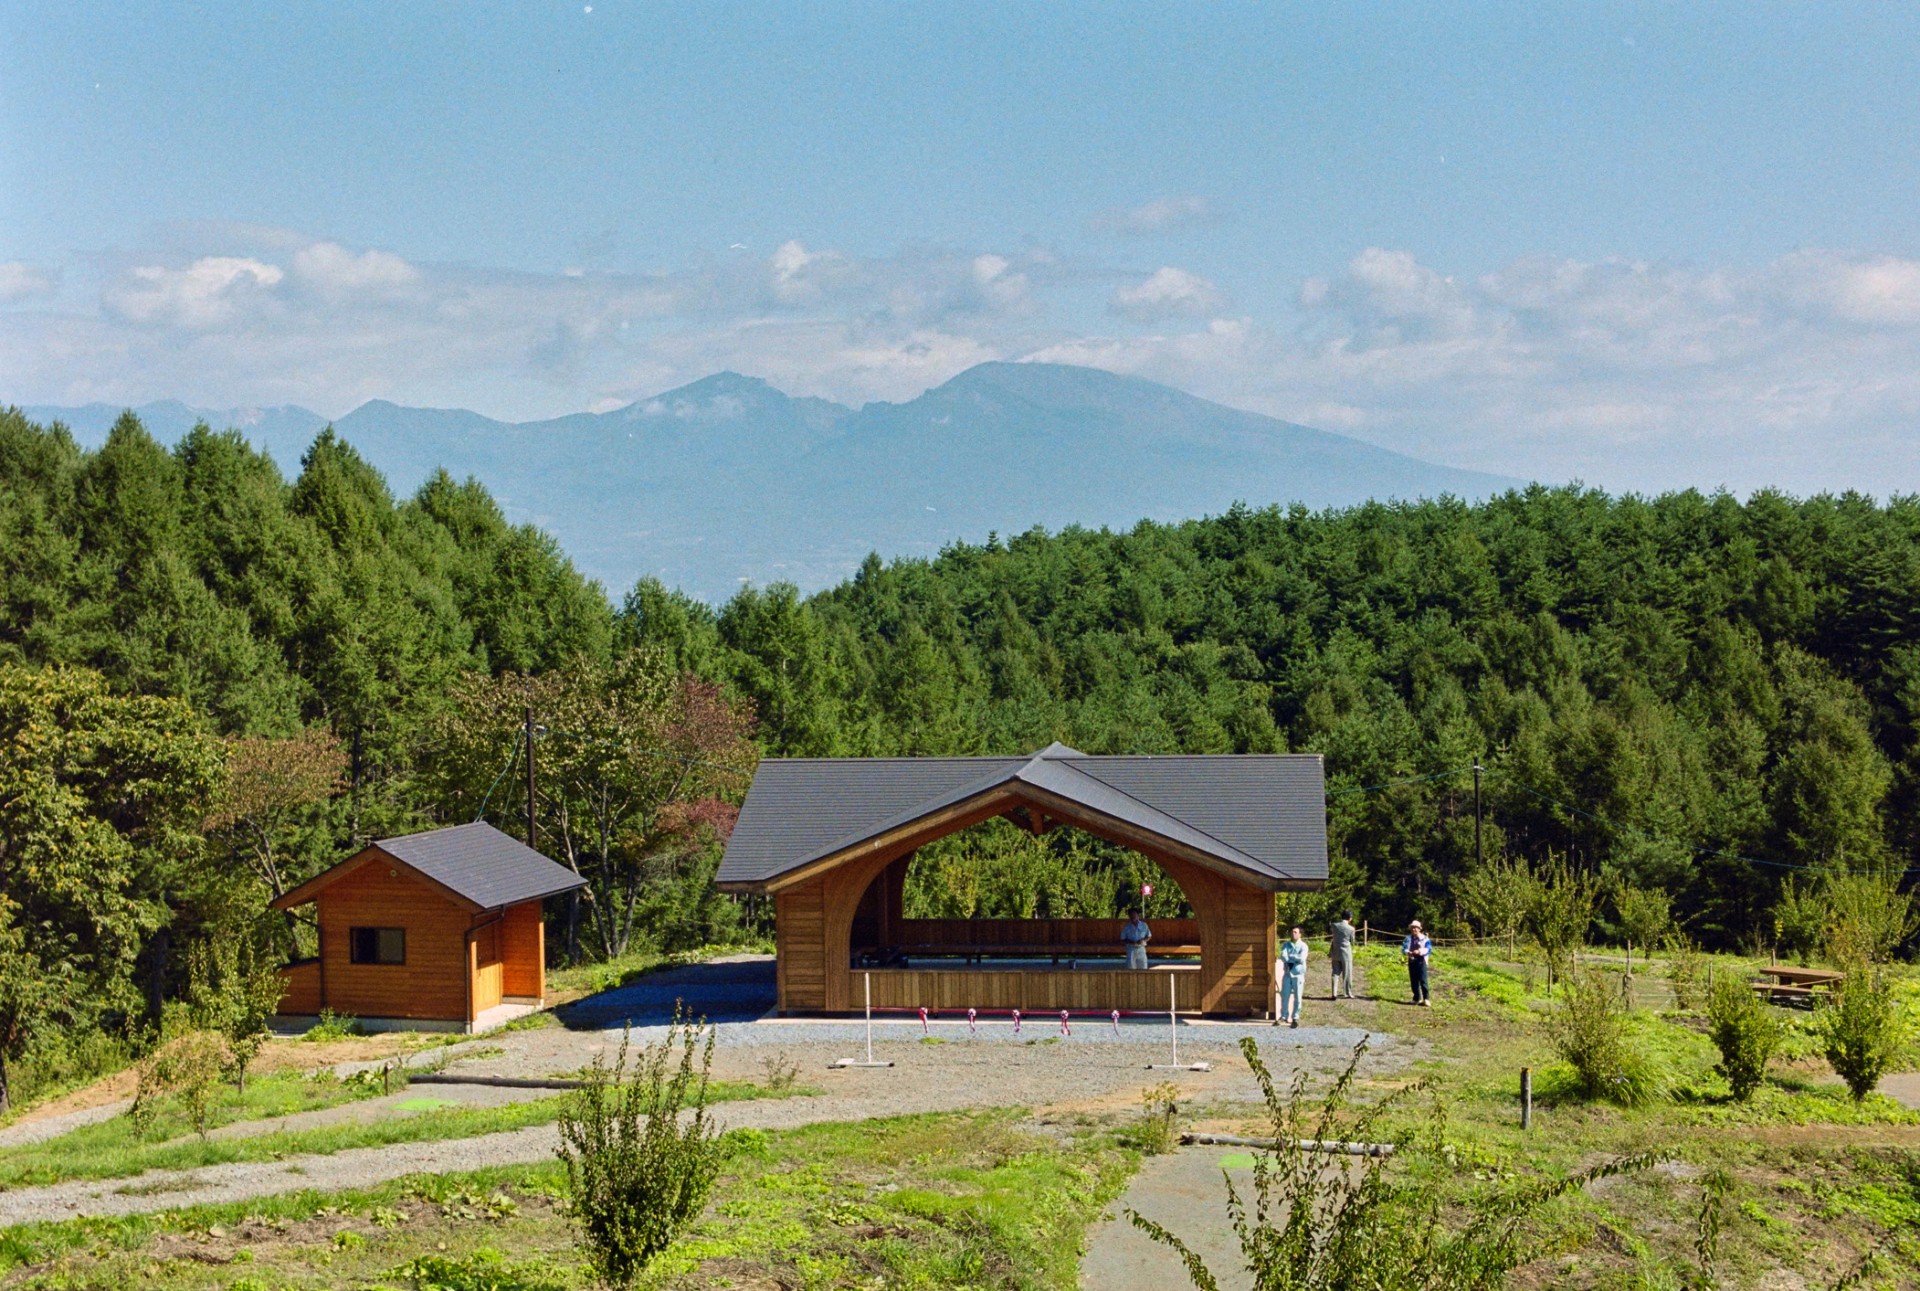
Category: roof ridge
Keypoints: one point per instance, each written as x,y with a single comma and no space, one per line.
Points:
1205,833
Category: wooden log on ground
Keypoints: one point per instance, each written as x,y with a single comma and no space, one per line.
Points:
1305,1145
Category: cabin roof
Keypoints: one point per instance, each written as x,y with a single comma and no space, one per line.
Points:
1263,815
475,863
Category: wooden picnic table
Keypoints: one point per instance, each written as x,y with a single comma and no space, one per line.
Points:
1797,983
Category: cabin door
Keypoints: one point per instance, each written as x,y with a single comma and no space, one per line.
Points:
488,972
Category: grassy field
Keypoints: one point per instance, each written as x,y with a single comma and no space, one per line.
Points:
934,1202
115,1149
1817,1180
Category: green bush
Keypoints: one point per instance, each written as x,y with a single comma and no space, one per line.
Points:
1745,1031
1588,1025
1861,1030
333,1026
638,1170
188,1067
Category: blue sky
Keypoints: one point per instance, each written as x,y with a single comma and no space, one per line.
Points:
1643,245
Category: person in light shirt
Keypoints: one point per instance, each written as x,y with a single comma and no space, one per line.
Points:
1135,935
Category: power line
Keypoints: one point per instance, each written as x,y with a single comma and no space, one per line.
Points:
504,768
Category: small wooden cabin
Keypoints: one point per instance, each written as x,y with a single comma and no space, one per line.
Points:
830,839
442,930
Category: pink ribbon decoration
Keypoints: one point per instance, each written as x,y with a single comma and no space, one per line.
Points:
923,1022
1016,1021
1116,1022
1064,1028
970,1027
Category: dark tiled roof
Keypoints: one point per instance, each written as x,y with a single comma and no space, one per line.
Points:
482,864
1263,814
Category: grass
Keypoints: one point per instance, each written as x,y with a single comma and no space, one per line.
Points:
113,1149
969,1200
1818,1180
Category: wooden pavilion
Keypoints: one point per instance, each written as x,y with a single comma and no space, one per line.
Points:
831,839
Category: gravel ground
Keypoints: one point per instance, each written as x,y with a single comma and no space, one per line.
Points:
1094,1070
1185,1192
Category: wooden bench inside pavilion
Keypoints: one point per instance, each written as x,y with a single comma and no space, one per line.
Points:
830,839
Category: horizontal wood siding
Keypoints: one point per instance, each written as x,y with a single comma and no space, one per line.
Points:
800,922
1067,934
523,944
1250,951
433,981
300,987
1032,990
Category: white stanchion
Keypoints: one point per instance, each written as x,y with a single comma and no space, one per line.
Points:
1173,1029
869,1060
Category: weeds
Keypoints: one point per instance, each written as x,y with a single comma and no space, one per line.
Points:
778,1072
331,1027
1370,1226
1160,1107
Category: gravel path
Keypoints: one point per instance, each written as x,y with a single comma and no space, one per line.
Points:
1185,1192
1057,1078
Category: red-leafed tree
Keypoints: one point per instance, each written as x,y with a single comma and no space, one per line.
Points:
639,772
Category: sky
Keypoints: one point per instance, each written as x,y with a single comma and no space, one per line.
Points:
1645,246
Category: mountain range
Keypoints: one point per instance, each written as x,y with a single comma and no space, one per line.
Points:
728,480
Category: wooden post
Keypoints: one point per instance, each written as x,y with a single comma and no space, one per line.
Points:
386,1077
1363,932
1526,1098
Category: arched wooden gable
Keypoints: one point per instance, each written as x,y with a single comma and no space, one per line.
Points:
824,835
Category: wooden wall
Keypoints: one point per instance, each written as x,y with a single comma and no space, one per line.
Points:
1036,991
300,984
433,981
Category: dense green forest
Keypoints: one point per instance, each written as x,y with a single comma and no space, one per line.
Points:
1688,693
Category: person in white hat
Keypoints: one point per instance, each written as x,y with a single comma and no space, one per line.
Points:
1417,949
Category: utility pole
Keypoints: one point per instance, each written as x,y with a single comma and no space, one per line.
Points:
533,834
1479,852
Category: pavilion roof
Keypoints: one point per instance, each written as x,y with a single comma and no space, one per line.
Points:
1260,816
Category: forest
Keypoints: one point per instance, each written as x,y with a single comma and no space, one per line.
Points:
215,680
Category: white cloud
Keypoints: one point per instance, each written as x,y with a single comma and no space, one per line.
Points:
328,266
1804,372
1162,215
1167,293
22,281
206,293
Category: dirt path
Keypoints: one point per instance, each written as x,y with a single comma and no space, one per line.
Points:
1185,1192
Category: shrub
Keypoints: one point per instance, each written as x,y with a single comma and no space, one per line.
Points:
1561,913
638,1171
1588,1025
1645,915
1372,1223
1496,898
1745,1031
1868,917
1160,1105
233,987
1686,972
332,1026
188,1067
1861,1030
1800,919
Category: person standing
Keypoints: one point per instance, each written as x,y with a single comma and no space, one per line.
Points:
1417,948
1342,955
1135,935
1293,977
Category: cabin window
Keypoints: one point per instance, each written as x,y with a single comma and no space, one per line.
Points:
378,945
